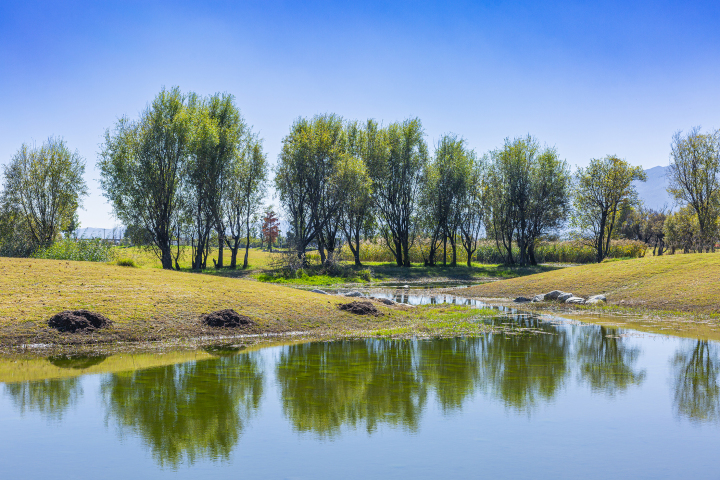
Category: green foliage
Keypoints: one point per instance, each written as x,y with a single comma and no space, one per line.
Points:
42,191
396,165
447,183
694,179
93,250
602,191
527,196
141,164
682,231
309,160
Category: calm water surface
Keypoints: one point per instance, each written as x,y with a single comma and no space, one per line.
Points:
574,401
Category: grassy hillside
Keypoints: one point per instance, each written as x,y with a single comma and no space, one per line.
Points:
155,304
683,283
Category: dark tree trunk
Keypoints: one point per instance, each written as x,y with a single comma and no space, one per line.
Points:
221,246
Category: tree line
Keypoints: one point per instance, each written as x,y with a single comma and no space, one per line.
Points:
189,170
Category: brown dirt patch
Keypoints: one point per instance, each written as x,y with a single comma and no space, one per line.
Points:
227,318
360,307
78,320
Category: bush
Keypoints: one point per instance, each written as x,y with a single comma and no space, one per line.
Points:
125,262
487,252
93,250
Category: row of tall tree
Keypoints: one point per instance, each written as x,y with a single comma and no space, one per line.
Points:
338,179
190,170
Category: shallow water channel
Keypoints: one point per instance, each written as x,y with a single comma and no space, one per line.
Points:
571,400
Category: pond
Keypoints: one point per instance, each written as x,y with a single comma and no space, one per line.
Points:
571,400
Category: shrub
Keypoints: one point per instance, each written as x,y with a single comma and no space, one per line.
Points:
125,262
93,250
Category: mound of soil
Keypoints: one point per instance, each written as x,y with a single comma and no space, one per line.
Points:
225,318
78,320
360,307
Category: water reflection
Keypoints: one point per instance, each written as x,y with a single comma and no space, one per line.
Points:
606,363
695,382
76,363
523,369
49,398
365,383
187,411
327,385
195,411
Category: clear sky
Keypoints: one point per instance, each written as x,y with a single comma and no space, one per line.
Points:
591,78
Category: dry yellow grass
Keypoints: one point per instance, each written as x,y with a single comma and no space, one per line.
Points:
148,303
681,283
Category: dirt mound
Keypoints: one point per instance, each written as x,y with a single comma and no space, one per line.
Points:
74,320
360,307
225,318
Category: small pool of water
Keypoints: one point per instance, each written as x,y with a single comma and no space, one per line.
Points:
571,401
417,296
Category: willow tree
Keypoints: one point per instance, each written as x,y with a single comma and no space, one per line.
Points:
472,210
43,189
694,178
244,193
528,191
445,187
352,178
601,192
141,164
396,166
217,131
308,160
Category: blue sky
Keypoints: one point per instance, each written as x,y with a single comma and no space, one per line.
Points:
591,78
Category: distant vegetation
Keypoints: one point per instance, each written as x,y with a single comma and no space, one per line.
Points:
188,176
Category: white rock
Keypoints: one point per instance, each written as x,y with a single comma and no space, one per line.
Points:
599,298
564,296
539,298
320,291
386,301
575,300
593,301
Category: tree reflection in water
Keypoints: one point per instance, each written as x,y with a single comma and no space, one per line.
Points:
607,364
327,385
450,366
187,411
50,398
522,370
697,394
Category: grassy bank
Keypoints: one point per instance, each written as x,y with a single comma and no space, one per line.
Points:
148,304
262,263
675,283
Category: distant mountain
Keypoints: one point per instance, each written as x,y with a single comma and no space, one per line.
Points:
653,192
106,233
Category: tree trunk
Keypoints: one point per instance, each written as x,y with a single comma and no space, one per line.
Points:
166,257
406,252
356,252
531,253
444,250
453,245
221,246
